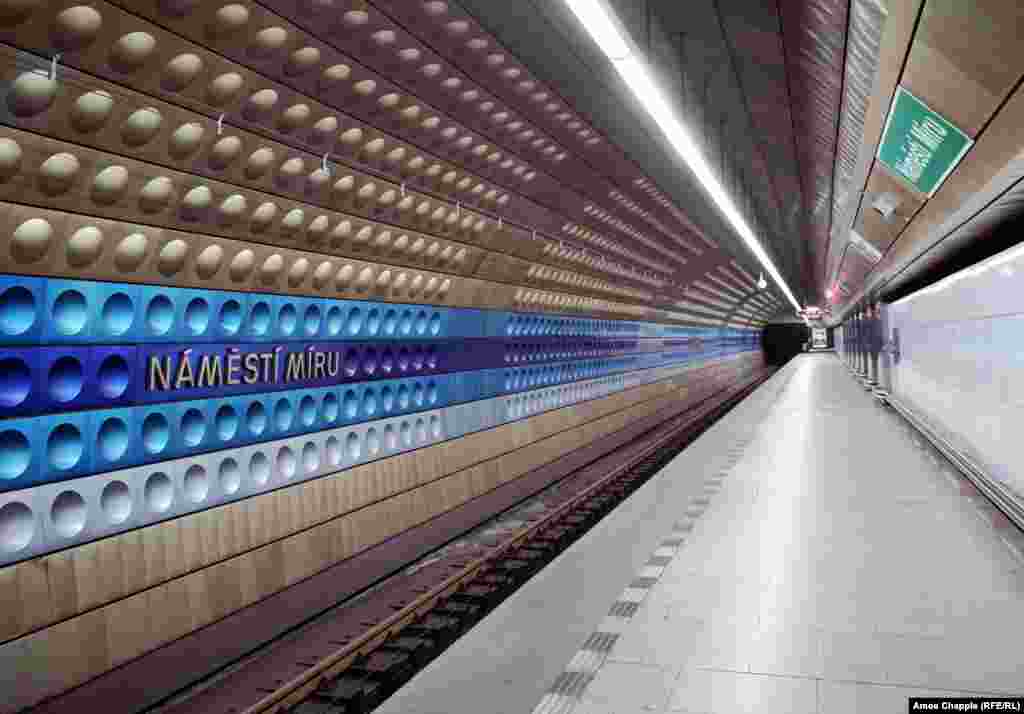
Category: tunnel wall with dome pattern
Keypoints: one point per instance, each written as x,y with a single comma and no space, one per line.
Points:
281,281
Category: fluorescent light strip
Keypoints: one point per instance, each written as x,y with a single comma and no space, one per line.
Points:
602,25
1007,256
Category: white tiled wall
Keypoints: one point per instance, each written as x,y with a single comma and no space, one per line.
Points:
962,362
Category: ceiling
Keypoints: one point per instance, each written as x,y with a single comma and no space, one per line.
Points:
759,84
786,98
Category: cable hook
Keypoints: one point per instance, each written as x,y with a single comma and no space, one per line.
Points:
53,66
324,166
220,124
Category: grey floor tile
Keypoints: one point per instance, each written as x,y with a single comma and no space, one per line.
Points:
970,662
586,707
788,650
721,692
859,656
666,642
837,569
859,698
625,688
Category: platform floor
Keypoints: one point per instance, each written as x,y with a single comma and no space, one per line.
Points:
808,553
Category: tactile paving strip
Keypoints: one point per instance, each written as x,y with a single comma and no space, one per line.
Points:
568,688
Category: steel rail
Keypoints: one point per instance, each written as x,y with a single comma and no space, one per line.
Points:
304,685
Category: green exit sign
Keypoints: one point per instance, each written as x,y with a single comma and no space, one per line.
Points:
920,146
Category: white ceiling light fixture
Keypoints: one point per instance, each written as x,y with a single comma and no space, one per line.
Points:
604,28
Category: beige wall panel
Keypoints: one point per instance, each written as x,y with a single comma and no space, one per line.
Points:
93,55
90,189
171,258
157,553
115,633
236,157
177,264
875,227
1001,142
227,210
966,58
61,118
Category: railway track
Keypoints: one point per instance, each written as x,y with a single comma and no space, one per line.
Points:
352,658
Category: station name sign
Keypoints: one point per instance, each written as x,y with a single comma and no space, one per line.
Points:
187,369
203,370
919,145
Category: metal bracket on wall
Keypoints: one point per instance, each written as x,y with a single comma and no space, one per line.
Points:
892,347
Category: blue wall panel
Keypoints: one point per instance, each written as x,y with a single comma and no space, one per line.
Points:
81,400
58,311
54,378
72,444
22,301
124,498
